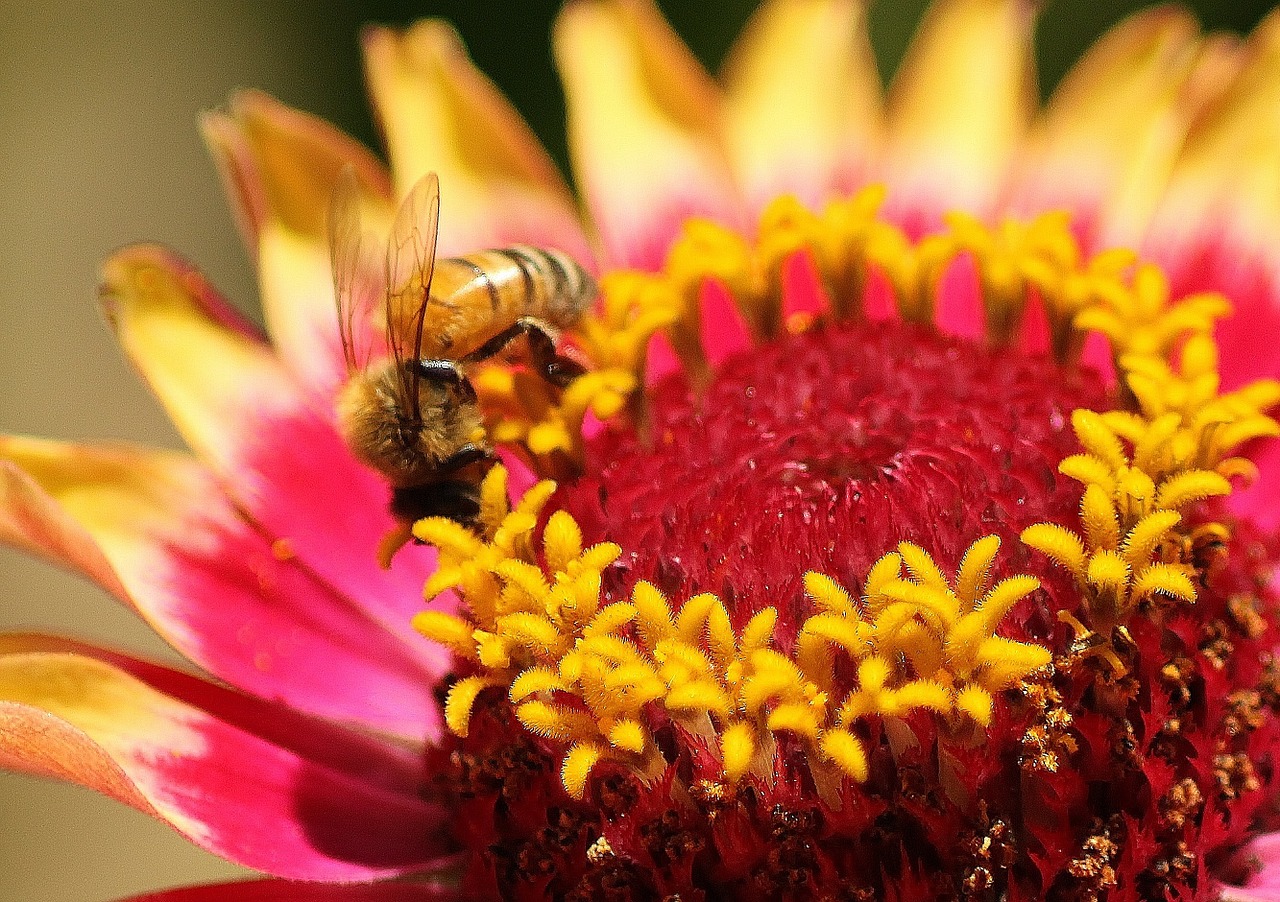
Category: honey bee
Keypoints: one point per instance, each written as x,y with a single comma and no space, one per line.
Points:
408,409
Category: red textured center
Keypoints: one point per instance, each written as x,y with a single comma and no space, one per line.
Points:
823,451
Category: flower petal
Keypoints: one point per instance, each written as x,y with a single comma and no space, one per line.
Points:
1107,141
958,106
248,780
1228,164
643,120
288,891
277,456
1265,884
155,529
282,163
1220,222
804,106
439,113
280,167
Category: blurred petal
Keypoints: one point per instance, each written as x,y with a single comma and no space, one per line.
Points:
282,163
1220,222
804,104
1266,883
280,167
279,458
439,113
245,779
958,106
1106,144
155,529
1219,225
1229,163
287,891
643,122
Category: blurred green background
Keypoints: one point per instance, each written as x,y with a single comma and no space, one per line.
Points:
98,148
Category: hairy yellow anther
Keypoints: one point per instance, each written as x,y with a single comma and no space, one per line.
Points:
1136,316
845,750
1059,544
975,569
629,736
448,630
579,761
977,703
1098,438
536,680
737,749
461,699
1143,466
1191,486
1141,542
1100,519
1164,579
562,539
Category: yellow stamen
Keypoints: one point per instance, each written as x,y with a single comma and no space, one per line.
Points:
582,672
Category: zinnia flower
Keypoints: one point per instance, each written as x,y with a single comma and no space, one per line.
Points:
909,535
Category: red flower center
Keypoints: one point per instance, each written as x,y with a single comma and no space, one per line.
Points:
822,626
822,451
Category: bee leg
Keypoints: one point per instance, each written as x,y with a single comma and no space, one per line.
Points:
455,500
555,368
465,456
445,372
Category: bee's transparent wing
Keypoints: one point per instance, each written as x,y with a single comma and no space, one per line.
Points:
357,281
411,260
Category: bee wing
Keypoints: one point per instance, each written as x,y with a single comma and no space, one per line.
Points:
411,260
357,288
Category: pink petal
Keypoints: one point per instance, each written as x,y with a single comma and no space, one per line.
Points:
959,301
288,891
248,780
155,529
1265,884
277,456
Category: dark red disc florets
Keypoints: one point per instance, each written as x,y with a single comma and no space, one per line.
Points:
822,451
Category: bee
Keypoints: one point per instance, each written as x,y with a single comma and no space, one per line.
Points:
409,409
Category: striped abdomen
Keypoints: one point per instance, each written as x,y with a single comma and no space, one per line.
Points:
478,295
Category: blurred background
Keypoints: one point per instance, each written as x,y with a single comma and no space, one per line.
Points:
98,148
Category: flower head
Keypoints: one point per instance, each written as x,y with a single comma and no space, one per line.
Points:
898,523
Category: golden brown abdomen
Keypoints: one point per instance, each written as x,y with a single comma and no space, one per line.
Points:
476,296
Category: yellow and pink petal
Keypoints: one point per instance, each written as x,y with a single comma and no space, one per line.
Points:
803,105
275,452
1105,145
645,131
279,167
155,530
248,780
958,108
440,114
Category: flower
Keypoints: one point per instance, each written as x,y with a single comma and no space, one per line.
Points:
910,532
